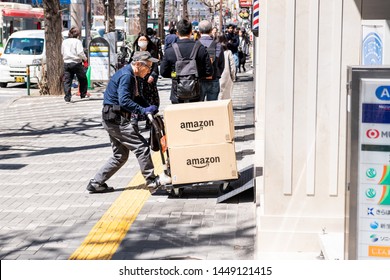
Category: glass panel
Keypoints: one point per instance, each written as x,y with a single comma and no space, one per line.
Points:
24,46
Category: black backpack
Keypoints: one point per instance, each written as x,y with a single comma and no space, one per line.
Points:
186,83
212,51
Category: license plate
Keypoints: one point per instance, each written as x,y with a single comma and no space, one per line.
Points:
19,79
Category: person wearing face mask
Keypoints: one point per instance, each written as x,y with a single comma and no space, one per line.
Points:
118,105
148,85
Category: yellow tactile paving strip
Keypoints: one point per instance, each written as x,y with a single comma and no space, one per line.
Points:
105,237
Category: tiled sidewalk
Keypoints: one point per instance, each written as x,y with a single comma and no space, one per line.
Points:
48,152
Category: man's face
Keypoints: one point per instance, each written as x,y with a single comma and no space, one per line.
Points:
144,68
230,29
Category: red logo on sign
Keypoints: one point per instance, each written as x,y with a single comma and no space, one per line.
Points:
372,133
245,3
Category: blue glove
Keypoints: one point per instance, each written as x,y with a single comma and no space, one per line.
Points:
151,110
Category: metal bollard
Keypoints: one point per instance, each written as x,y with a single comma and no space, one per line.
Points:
28,82
28,79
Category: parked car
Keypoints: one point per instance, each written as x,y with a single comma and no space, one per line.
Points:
23,48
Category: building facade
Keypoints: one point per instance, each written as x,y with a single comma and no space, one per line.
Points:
302,54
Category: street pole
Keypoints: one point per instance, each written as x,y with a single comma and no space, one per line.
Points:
87,21
212,16
220,15
107,17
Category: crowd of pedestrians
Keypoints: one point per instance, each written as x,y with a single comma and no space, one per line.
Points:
228,53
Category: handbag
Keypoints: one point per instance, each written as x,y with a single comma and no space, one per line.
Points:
230,70
155,138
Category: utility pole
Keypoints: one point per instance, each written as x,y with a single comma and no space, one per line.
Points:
212,16
106,16
220,15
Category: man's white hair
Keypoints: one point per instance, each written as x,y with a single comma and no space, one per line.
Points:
205,27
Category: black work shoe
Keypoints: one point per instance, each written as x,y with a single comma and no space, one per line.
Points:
153,185
95,187
67,98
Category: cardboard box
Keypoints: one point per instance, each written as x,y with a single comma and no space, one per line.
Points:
199,123
203,163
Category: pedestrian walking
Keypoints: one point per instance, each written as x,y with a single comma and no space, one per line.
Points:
215,33
118,105
185,46
73,54
170,39
243,50
195,35
233,42
209,86
229,72
147,85
152,34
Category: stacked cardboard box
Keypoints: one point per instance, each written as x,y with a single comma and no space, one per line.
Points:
200,138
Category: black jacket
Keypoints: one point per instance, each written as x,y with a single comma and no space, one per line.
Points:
233,42
219,63
205,69
167,66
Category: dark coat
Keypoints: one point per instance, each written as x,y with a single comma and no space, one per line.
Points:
233,42
219,63
167,66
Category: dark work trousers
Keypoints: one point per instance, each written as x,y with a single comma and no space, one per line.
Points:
71,69
125,138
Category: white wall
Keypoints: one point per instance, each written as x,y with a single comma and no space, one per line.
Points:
303,50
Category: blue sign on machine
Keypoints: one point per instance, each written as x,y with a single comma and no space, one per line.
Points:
375,113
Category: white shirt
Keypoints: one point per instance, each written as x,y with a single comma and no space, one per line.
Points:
72,51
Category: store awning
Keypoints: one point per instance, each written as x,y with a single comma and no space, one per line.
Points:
23,13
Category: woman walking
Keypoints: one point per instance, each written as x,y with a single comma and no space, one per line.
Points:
147,86
243,50
229,72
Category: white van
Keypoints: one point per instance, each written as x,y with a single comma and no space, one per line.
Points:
23,48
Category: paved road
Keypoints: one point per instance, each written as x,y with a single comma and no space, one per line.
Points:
48,152
12,92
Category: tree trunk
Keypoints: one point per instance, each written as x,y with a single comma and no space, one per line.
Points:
52,84
111,15
185,9
161,19
143,17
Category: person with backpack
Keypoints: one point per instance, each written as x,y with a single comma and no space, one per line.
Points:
209,86
185,63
